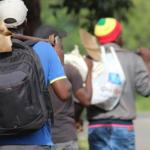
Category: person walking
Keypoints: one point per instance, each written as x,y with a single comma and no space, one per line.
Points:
13,13
114,129
64,132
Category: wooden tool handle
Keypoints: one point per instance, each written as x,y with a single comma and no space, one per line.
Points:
50,39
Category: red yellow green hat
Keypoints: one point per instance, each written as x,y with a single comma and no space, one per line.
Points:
107,30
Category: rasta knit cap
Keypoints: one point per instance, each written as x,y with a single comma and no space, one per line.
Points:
107,30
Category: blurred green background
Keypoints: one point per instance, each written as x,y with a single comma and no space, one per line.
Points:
136,33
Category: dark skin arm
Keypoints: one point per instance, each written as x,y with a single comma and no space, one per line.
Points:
62,88
84,94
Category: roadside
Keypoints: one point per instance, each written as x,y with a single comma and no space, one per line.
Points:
142,131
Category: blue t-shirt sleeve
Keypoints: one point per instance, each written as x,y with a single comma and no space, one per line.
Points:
53,69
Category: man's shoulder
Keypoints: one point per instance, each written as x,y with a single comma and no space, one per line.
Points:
43,49
42,44
69,68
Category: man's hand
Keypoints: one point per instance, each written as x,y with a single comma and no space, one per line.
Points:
84,94
145,54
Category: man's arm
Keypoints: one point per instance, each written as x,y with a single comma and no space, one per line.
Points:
81,92
145,54
62,89
53,70
84,94
142,77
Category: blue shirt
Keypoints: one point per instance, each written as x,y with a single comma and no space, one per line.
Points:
53,71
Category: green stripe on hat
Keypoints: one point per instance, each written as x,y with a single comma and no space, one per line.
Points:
101,21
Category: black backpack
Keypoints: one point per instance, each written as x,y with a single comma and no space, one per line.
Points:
24,98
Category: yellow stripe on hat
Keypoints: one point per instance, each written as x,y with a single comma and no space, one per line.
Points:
105,26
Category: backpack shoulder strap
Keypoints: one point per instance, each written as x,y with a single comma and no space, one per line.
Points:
22,46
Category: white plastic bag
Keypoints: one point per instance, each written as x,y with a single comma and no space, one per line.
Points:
109,83
77,60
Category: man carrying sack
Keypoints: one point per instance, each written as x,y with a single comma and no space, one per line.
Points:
113,129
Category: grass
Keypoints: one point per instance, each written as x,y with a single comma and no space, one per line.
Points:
143,104
83,144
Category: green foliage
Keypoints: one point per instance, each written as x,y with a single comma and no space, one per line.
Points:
136,30
63,22
83,144
87,12
142,104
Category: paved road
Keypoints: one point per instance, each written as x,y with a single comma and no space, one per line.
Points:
142,130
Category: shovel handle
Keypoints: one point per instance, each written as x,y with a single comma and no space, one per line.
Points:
50,39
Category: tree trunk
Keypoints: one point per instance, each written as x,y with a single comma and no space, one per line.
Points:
33,17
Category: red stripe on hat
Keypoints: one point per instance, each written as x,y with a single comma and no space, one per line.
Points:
112,36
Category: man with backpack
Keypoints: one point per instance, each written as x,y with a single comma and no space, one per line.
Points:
64,132
113,129
26,75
